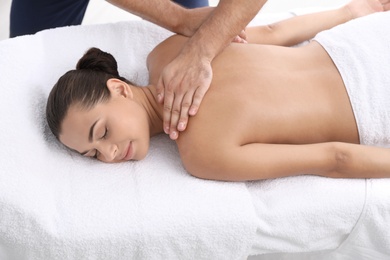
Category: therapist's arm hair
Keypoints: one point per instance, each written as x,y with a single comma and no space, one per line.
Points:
166,14
185,80
297,29
227,21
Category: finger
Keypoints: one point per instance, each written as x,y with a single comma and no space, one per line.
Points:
197,99
174,135
175,114
160,90
243,35
185,106
238,39
168,106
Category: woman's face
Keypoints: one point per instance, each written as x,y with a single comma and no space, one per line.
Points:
112,131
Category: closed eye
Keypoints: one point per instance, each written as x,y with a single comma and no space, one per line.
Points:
103,137
105,134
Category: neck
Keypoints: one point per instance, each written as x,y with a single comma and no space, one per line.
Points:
145,96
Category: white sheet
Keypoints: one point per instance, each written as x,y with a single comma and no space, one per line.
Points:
57,205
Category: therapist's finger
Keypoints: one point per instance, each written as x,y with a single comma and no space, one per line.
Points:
169,97
185,107
241,38
175,115
243,35
203,86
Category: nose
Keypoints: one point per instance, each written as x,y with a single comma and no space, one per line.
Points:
108,151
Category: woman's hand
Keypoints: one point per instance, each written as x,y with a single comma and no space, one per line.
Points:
359,8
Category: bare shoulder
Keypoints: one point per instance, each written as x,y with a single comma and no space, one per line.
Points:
203,146
199,154
163,54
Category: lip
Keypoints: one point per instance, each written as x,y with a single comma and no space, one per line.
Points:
129,152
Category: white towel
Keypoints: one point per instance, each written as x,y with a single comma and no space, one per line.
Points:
305,213
55,204
368,237
361,51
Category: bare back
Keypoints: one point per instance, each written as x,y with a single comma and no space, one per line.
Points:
266,94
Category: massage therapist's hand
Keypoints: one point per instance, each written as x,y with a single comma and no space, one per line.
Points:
182,86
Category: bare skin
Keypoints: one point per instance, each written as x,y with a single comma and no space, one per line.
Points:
286,113
291,96
287,33
187,78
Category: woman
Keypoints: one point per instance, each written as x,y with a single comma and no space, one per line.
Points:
270,112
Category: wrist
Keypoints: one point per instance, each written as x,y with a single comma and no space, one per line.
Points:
346,13
201,48
178,22
191,19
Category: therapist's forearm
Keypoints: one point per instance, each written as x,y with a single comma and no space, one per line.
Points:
228,19
164,13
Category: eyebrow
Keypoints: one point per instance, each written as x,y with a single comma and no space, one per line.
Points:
90,136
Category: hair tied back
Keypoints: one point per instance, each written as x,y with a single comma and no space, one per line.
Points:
98,60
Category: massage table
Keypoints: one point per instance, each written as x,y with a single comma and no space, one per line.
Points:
55,204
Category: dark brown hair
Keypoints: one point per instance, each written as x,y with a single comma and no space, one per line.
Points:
84,86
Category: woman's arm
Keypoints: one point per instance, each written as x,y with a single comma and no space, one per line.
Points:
286,32
267,161
295,30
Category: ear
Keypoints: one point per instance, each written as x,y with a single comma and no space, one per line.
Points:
119,88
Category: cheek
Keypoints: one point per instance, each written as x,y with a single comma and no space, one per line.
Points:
132,123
